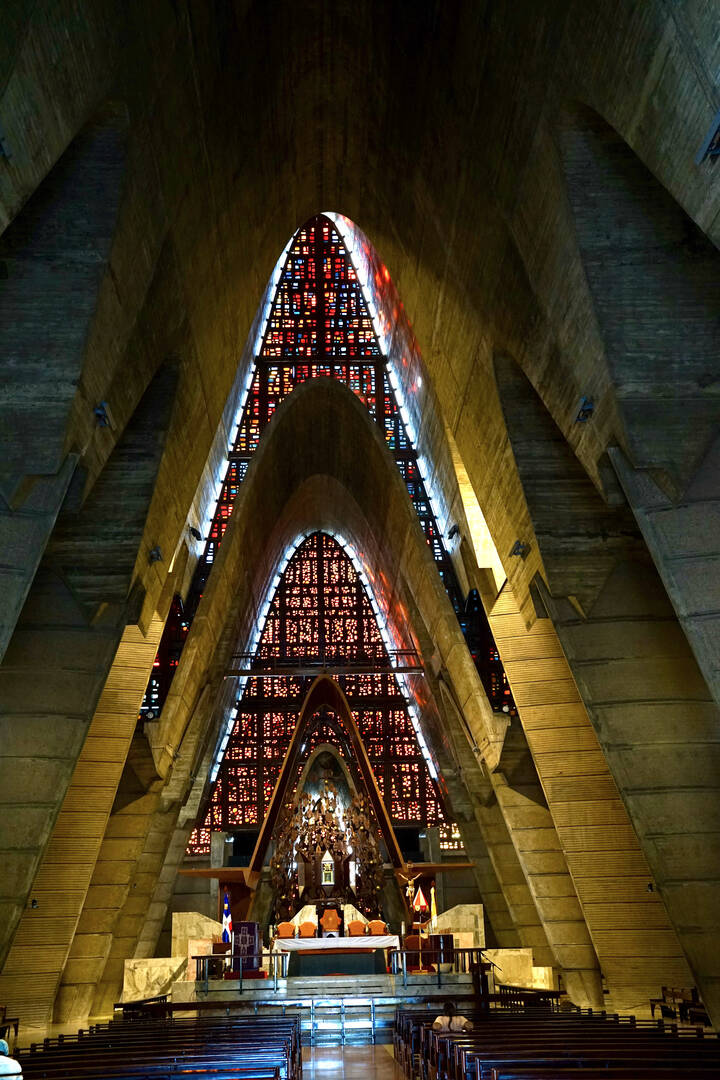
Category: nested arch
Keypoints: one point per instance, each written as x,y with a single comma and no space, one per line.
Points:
53,256
321,618
290,494
331,312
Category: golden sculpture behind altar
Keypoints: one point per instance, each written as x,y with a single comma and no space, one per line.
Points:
326,850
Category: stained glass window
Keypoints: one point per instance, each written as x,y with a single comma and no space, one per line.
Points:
199,842
319,325
321,615
450,838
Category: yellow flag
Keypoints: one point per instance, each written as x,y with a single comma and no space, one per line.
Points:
433,907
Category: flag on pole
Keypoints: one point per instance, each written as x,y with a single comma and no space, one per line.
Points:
420,903
433,907
227,920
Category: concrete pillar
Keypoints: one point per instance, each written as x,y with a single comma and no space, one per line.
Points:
105,899
525,856
218,857
66,868
543,862
659,730
682,537
434,854
607,867
153,822
511,919
50,683
161,895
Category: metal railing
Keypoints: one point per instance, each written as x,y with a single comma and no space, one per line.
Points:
373,658
422,960
217,965
429,959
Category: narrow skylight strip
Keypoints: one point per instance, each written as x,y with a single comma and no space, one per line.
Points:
223,467
362,272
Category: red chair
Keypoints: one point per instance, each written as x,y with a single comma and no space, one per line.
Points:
414,960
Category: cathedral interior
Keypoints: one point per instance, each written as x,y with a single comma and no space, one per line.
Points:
359,428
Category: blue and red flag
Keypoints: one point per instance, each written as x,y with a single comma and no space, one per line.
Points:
227,919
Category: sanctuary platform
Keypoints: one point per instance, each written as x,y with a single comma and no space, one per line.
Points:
195,971
332,1009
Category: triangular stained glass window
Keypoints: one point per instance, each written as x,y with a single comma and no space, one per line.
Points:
321,616
320,325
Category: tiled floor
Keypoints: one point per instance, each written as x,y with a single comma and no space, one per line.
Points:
349,1062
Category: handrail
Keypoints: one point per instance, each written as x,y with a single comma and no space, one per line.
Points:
120,1005
235,963
262,664
461,961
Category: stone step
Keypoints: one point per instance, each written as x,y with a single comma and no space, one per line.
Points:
335,1009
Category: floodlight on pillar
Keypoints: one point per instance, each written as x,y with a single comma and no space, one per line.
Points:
519,550
101,411
585,410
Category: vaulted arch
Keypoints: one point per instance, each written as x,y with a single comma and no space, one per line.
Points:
325,692
53,257
323,489
655,281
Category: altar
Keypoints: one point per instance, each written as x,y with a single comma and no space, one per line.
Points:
364,955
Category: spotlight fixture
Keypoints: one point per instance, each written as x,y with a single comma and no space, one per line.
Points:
651,887
101,414
4,146
34,904
520,550
585,410
195,533
453,532
155,554
711,143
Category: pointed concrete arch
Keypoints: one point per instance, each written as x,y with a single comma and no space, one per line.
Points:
325,691
324,488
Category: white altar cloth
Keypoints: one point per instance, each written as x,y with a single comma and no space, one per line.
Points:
361,943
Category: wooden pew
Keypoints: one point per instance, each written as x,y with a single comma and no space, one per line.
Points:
536,1046
249,1048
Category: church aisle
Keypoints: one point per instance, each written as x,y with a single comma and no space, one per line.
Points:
349,1062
